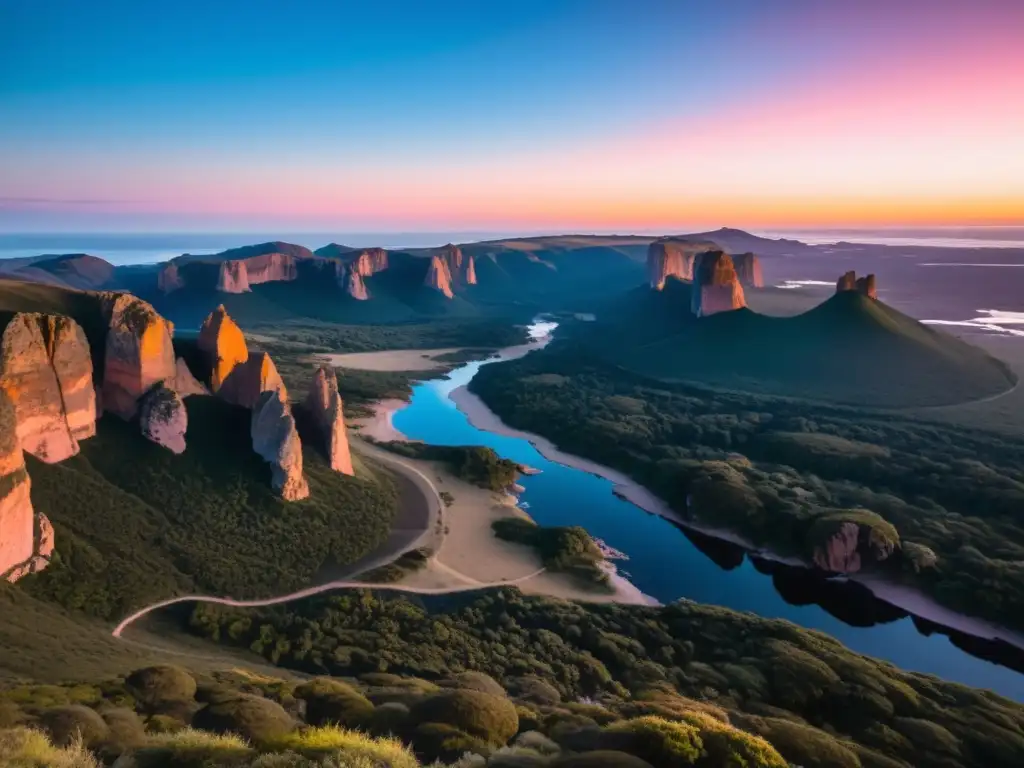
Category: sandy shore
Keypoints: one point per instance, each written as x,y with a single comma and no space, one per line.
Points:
910,600
390,360
379,425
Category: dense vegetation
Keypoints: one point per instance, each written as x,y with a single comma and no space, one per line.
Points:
817,702
770,468
136,523
567,549
476,464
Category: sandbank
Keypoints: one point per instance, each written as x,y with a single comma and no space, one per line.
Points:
378,425
390,359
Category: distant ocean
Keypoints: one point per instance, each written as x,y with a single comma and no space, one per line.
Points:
936,237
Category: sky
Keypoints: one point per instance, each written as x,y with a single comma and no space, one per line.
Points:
531,115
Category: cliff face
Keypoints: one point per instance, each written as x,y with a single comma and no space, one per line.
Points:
748,269
324,406
163,418
354,285
673,257
470,271
370,261
238,275
716,287
224,345
276,440
461,268
46,371
439,277
139,352
185,383
169,279
233,277
866,285
250,379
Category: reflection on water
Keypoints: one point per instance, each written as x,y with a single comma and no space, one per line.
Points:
668,563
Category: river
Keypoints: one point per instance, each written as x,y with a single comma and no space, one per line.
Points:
667,564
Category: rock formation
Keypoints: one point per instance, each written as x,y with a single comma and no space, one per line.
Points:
674,257
439,276
354,285
46,370
139,353
26,538
233,277
163,418
845,540
224,345
185,384
370,261
324,406
238,275
748,269
716,287
276,440
470,275
461,268
865,285
169,279
250,379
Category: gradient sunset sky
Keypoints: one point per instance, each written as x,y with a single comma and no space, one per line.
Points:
532,115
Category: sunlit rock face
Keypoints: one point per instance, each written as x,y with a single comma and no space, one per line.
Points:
716,287
163,418
370,261
250,379
461,268
46,370
139,353
748,269
233,277
276,440
224,345
325,407
673,257
439,276
866,285
355,286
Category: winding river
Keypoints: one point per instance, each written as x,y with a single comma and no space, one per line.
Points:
667,563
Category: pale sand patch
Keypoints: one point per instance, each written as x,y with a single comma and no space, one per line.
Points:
390,360
379,425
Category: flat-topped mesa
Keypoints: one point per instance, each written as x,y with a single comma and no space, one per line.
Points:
139,352
439,276
716,287
26,537
46,370
354,284
370,261
674,257
164,419
325,407
748,269
271,268
224,345
276,440
169,279
233,277
250,379
866,285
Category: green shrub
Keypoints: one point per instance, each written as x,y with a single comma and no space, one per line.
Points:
927,736
28,748
490,718
517,757
10,714
251,717
440,741
728,746
65,724
602,759
802,744
534,689
663,743
474,681
155,686
164,724
330,701
389,718
346,746
126,729
191,748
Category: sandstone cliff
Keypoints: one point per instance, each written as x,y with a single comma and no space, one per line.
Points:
238,275
224,345
354,285
470,275
370,261
169,279
163,418
866,285
233,277
276,440
439,277
716,287
461,268
748,269
324,406
673,257
250,379
139,353
46,370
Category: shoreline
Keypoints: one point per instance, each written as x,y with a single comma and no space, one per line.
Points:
908,599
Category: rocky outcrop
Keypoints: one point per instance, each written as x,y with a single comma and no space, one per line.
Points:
324,406
866,285
139,353
439,276
716,287
461,268
169,279
370,261
224,345
46,371
748,269
847,540
354,285
673,257
276,440
163,418
185,384
233,277
250,379
470,275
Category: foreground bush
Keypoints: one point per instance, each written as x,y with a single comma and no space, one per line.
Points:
68,725
487,717
251,717
663,743
349,747
156,686
331,701
28,748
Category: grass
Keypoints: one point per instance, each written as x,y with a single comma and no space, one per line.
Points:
29,748
322,741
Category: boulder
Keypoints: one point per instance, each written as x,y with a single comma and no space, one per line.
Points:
439,276
139,352
276,440
16,516
233,277
250,379
674,257
354,285
224,345
844,541
163,418
324,406
866,285
185,383
169,279
839,551
716,287
72,362
748,269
